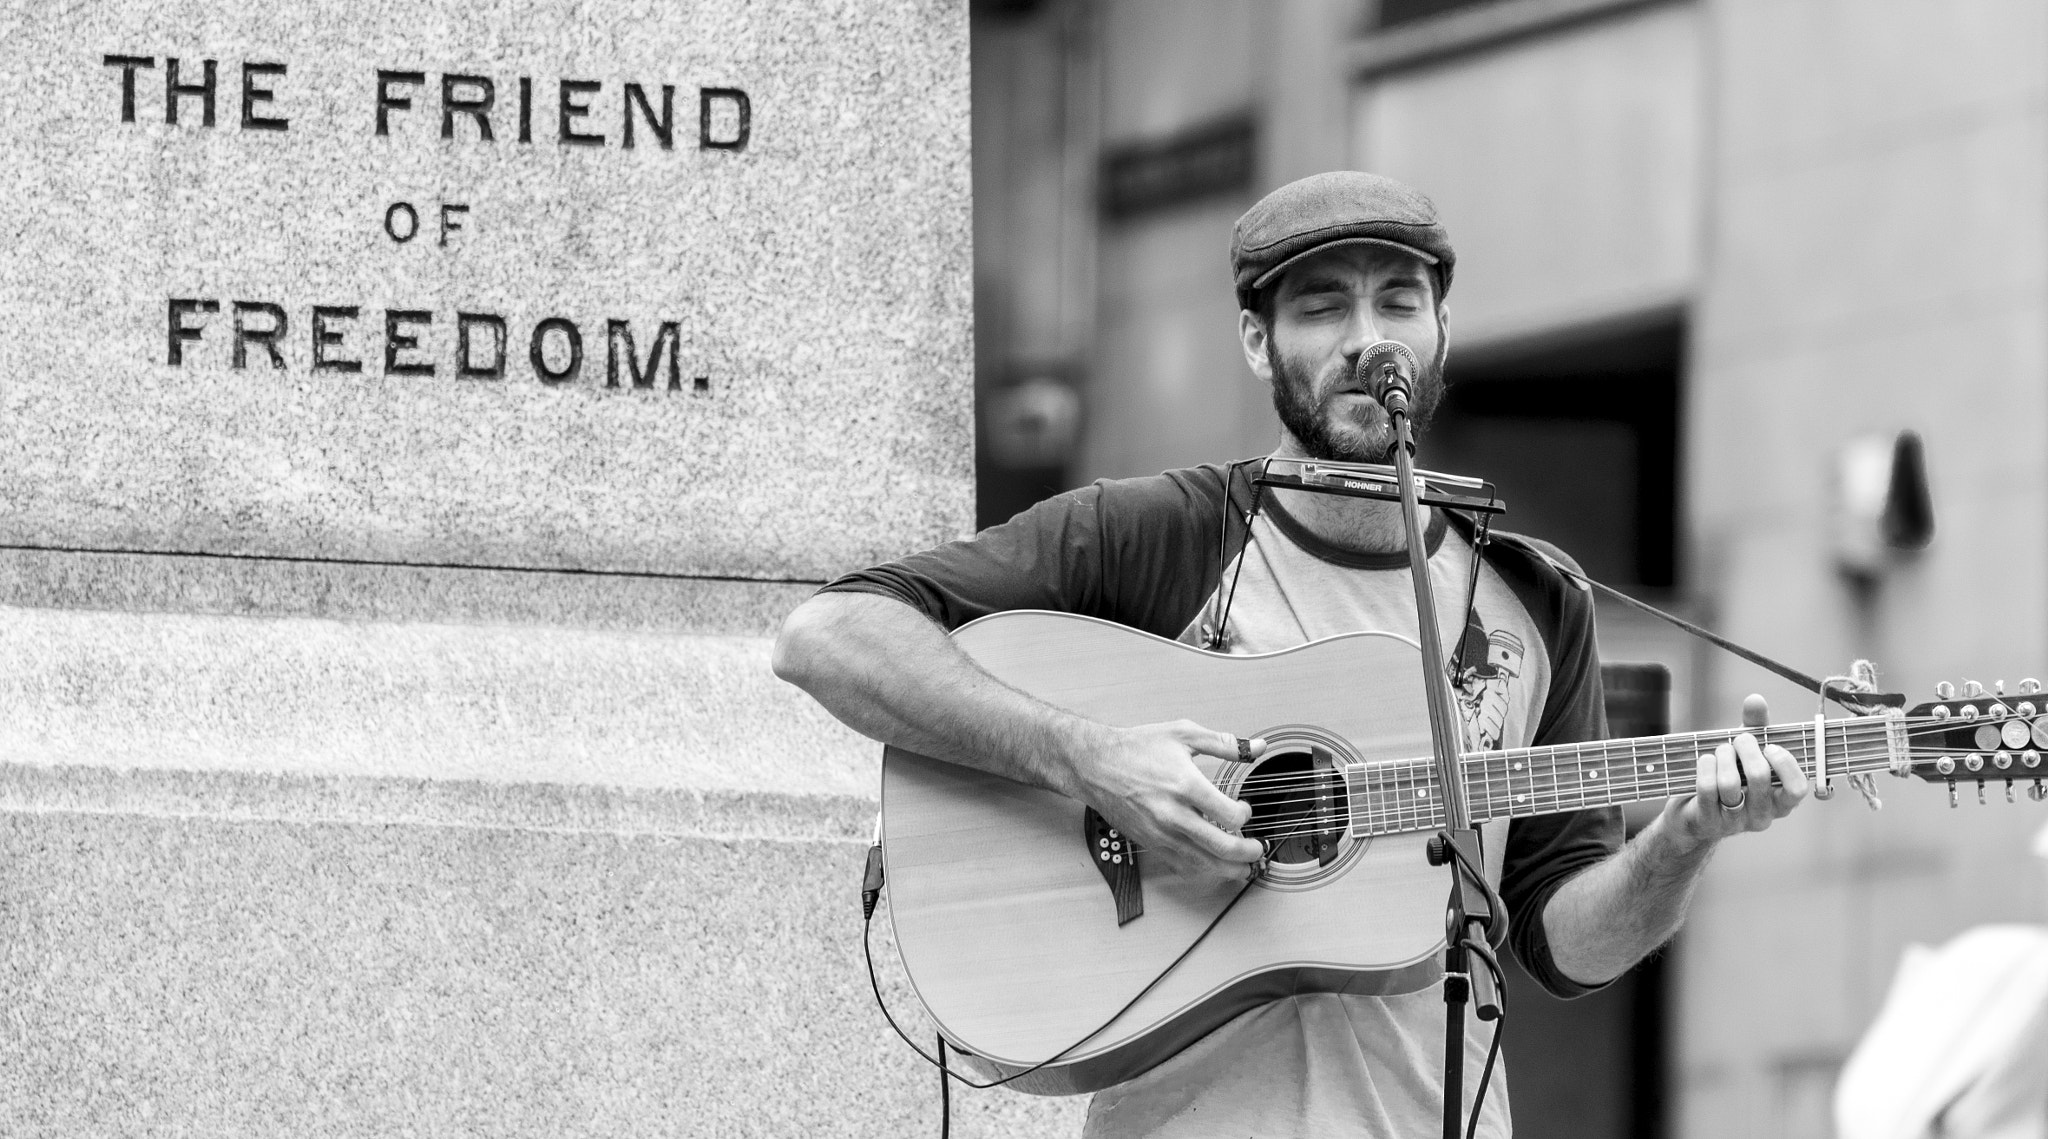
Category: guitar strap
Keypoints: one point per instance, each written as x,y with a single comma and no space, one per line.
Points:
1855,700
1215,637
1476,530
1214,631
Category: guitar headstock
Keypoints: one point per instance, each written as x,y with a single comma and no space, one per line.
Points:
1982,736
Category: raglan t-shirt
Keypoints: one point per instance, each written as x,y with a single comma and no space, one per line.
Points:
1185,553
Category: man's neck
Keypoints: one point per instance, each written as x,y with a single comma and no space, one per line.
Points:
1357,525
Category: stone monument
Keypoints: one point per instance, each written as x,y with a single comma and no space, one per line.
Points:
415,420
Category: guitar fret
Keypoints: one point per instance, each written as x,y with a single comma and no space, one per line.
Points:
1547,797
1635,773
1592,788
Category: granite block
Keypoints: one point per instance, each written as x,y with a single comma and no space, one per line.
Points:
504,704
797,394
179,974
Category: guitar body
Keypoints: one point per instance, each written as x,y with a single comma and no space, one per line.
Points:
1002,903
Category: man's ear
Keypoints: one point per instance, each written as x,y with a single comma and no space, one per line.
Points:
1253,336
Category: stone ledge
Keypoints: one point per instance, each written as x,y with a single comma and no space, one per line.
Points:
314,799
508,705
131,582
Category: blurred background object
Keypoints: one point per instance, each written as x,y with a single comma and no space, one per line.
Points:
1714,257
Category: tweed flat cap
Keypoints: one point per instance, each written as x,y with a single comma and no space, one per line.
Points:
1341,207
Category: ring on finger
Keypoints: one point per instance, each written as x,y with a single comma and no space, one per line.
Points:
1737,805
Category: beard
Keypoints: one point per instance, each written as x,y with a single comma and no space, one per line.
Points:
1362,435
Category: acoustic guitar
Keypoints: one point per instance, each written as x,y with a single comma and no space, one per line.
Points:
1026,922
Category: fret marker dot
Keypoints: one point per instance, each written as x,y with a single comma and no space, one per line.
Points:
1518,765
1420,793
1523,798
1649,767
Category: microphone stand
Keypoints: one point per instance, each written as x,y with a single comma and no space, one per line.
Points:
1458,843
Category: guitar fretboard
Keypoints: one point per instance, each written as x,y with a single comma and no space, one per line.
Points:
1395,796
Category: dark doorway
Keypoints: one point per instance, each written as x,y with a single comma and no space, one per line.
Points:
1590,1068
1580,434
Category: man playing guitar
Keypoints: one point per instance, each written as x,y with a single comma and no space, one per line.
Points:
1323,267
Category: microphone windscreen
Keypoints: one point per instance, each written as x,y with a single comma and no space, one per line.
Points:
1386,362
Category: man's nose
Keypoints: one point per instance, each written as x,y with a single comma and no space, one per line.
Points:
1360,332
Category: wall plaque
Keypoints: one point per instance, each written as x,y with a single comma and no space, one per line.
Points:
677,288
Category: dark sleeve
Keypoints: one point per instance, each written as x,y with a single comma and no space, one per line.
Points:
1140,552
1546,851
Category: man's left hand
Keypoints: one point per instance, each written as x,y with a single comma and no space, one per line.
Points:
1735,791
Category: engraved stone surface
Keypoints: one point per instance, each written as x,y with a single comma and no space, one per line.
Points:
668,289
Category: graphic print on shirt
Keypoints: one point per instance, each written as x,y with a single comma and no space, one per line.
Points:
1492,662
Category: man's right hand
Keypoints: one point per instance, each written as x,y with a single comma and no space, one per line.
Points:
1144,781
891,674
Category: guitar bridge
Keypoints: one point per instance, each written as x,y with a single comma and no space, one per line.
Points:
1117,861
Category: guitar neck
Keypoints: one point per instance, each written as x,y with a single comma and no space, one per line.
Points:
1394,796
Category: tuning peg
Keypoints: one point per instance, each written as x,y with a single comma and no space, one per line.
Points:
2029,686
1944,691
2037,792
1946,765
1972,689
2008,792
1952,803
2025,710
1998,686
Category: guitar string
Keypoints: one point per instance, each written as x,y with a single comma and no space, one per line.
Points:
1417,774
1797,738
1486,782
1492,802
1476,763
1562,796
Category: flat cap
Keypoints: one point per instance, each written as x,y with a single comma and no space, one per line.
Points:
1340,207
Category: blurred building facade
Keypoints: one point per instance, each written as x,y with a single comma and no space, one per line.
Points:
1708,251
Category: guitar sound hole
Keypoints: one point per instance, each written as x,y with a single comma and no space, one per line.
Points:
1298,807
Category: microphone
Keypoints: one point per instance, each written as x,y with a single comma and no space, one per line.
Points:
1386,370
